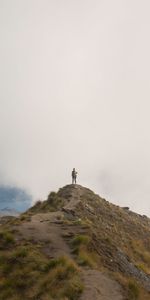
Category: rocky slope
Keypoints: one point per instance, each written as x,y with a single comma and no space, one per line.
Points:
75,245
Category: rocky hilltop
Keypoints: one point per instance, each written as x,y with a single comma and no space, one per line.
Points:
75,245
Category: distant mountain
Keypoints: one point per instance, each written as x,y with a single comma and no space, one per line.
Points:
13,199
9,212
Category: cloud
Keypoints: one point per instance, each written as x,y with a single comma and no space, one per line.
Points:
75,93
14,198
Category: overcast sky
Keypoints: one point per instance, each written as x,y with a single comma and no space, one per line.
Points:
75,92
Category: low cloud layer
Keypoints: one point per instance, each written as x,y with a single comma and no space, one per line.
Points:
74,92
14,198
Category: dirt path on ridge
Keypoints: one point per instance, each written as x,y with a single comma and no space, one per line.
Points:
99,286
47,228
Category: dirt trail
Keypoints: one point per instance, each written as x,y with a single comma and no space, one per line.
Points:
47,228
99,286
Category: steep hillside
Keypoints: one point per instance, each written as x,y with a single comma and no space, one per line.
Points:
75,245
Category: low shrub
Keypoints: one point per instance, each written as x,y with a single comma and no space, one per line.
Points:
80,248
62,280
133,290
6,239
85,259
80,240
61,261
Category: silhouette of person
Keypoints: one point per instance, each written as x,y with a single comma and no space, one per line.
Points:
74,176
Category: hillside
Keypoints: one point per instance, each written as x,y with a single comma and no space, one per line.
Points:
75,245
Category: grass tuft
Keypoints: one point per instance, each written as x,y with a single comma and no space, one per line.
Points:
133,290
6,239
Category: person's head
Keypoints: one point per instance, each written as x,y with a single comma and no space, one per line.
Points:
73,169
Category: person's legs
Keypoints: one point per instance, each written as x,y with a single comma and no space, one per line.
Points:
73,180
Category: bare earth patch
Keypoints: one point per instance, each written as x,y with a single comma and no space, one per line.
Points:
100,287
46,228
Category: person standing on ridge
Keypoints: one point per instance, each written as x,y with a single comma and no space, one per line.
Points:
74,176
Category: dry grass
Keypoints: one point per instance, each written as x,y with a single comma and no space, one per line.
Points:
132,289
62,279
26,273
83,255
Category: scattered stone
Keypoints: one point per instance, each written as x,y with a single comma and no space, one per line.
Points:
126,208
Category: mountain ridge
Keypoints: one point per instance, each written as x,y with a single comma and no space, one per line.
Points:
105,246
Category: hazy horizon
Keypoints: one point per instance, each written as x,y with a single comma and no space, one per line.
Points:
74,92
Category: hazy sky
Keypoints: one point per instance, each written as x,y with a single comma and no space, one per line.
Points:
75,92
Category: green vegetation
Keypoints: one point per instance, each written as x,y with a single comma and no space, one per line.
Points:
133,290
53,203
62,280
77,222
6,239
61,261
80,240
84,256
26,273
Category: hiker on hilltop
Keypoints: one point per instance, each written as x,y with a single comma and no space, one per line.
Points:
74,176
